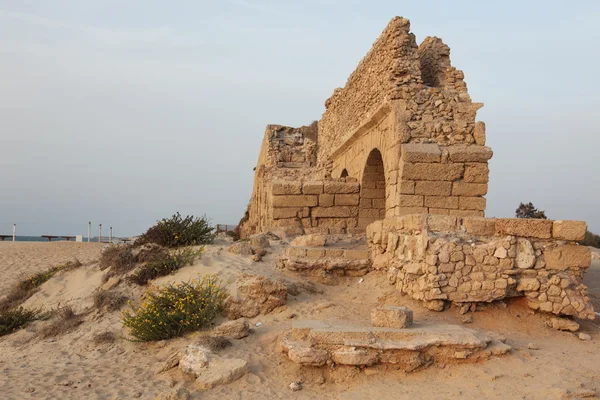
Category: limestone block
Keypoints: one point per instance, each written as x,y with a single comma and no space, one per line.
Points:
443,211
442,223
528,285
569,230
334,253
354,356
466,213
479,133
407,187
237,329
441,202
286,212
314,240
335,187
414,222
471,203
480,226
346,199
563,324
433,188
525,254
409,200
295,201
476,173
315,253
335,212
372,193
195,359
464,153
421,153
326,200
567,256
537,228
410,210
391,317
315,187
281,187
433,172
469,189
357,254
308,356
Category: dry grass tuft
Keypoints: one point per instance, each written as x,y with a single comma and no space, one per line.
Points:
104,338
214,343
65,320
110,300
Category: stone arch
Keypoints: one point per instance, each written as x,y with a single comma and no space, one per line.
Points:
372,190
344,173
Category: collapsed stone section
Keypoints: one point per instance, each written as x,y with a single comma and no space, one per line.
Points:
319,343
443,258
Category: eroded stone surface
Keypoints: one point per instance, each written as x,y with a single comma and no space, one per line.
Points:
254,295
391,317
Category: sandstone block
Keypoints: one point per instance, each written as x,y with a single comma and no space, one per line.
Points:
464,153
563,324
326,200
443,211
315,253
528,285
357,254
433,188
354,356
410,210
238,329
222,371
442,223
409,200
421,153
315,187
295,201
347,199
569,230
537,228
281,187
472,203
335,187
334,253
480,226
372,193
335,212
476,173
391,317
314,240
308,356
479,133
433,172
286,212
407,187
469,189
525,254
568,256
414,222
441,202
466,213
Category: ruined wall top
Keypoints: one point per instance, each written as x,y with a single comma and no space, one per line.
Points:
429,93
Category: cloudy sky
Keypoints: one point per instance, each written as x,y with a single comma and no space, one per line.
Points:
123,112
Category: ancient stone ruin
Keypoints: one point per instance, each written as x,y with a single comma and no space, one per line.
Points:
399,158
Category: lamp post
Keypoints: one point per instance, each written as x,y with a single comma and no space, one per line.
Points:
89,230
99,233
14,232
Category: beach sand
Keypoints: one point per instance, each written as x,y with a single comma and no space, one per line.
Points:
72,366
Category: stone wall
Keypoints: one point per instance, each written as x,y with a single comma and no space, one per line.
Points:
444,258
315,206
286,153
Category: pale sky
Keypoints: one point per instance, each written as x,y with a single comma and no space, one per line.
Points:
124,112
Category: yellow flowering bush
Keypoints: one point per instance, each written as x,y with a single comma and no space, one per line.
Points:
173,310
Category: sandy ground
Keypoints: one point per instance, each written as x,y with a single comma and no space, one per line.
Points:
19,259
73,367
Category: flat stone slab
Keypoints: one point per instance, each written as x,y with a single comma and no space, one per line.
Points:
414,338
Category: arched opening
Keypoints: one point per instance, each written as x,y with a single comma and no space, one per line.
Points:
372,190
344,173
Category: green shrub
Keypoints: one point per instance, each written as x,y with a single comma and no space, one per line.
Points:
179,231
173,310
36,280
164,266
16,318
64,320
591,239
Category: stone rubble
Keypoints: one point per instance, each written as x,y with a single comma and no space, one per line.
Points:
210,369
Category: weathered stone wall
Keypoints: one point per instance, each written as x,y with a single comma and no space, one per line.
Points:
440,258
286,153
314,206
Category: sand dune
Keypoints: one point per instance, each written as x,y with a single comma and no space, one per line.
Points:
74,367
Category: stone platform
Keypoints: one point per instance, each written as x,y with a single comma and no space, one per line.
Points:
318,343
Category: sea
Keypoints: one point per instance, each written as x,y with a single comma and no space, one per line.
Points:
27,239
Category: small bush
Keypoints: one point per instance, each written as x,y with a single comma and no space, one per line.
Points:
110,300
591,239
173,310
237,232
16,318
165,266
179,231
528,210
104,337
119,258
36,280
64,321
